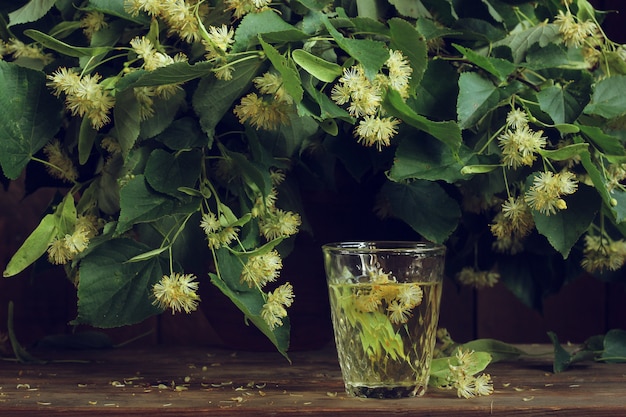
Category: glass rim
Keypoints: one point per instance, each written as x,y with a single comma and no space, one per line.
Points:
385,246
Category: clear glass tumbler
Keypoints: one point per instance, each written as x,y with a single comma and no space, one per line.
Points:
384,299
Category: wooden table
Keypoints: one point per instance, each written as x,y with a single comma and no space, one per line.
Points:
161,381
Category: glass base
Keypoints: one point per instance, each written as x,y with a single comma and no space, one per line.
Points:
385,391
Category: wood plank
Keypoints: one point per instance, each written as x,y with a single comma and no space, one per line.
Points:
195,381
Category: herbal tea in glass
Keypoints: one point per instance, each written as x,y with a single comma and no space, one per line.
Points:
385,308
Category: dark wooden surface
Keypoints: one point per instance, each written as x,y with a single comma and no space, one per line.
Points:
203,381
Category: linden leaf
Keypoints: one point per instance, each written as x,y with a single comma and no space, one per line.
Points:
565,227
30,116
438,213
30,12
33,247
114,292
316,66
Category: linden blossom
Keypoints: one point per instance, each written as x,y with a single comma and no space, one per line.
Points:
364,98
274,310
177,292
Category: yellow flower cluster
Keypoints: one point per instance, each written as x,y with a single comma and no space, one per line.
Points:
275,309
477,279
153,59
19,49
397,299
92,22
603,253
519,143
217,44
466,384
574,31
64,248
177,292
59,165
241,8
179,15
512,223
218,235
279,223
270,110
84,96
548,188
262,269
364,98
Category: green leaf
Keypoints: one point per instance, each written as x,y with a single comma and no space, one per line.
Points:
619,210
608,99
86,137
113,292
35,245
183,133
564,103
410,8
424,206
165,110
328,109
30,12
253,175
316,66
614,346
566,152
249,300
412,44
423,157
166,172
148,255
371,54
213,97
30,116
477,97
65,216
564,228
138,204
594,174
479,169
562,359
286,67
116,8
566,128
64,48
550,56
267,23
316,5
500,68
521,41
175,73
434,99
447,132
127,120
499,351
610,145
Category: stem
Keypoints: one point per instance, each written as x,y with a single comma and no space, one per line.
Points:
506,182
484,147
48,164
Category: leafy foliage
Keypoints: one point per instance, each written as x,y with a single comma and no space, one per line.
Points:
461,116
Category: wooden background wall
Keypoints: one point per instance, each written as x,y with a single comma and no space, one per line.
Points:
45,300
